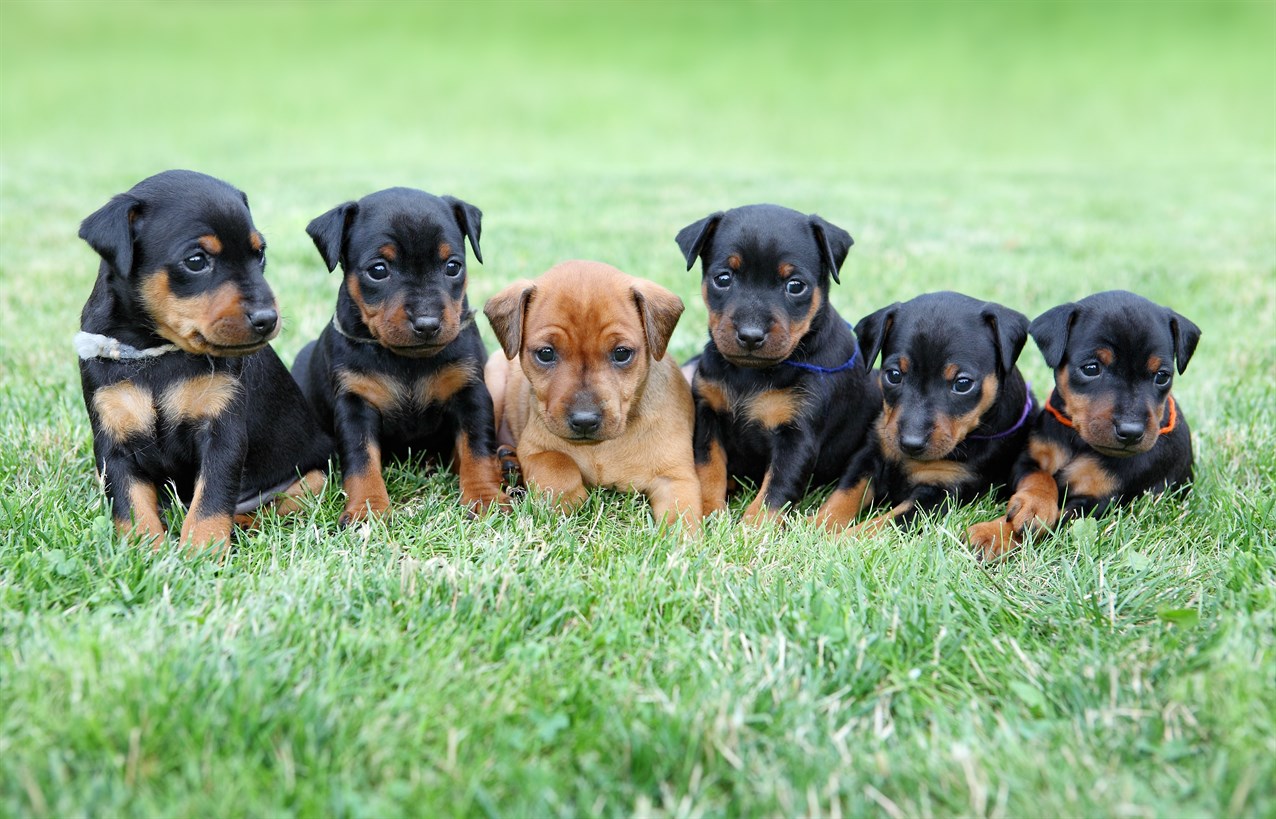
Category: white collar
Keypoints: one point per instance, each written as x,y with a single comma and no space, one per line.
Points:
92,345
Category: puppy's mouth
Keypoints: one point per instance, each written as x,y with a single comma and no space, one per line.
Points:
199,344
752,360
1118,451
415,350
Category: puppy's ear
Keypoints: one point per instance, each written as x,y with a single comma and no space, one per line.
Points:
470,220
871,333
694,238
1186,335
505,312
329,232
109,231
660,310
1009,333
1051,330
834,244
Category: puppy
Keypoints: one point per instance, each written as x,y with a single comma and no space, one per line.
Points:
400,368
587,394
179,381
955,413
783,396
1110,430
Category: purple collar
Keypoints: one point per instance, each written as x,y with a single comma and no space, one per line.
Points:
815,368
1027,410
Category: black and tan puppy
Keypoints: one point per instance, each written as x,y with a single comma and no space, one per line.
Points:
400,368
783,396
585,391
1110,430
955,410
180,383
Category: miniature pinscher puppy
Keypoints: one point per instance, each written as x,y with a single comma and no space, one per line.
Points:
955,410
783,395
1111,430
400,367
181,385
585,392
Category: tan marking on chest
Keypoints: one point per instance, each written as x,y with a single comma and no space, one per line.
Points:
937,473
204,396
1049,456
124,409
1085,476
383,393
439,387
714,395
773,408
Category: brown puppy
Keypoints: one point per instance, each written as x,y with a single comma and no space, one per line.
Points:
588,396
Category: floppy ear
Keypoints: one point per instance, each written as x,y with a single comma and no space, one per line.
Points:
1186,335
1051,330
109,231
329,232
505,312
660,310
470,220
834,244
872,330
1009,333
695,237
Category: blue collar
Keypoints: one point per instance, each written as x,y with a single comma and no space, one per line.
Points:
815,368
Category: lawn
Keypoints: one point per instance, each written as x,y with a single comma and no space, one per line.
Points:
523,665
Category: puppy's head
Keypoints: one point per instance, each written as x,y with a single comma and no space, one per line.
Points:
181,255
586,335
403,255
1114,356
944,357
765,277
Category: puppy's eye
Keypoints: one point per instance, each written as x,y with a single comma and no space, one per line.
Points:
195,263
1091,370
963,385
722,281
545,355
1161,379
378,271
454,268
795,287
893,376
622,355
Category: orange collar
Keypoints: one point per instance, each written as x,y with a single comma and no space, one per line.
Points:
1067,422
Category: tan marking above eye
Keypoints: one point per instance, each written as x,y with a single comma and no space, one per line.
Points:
734,261
388,252
445,251
773,408
124,410
210,243
903,365
1154,364
785,270
204,396
383,393
1105,356
439,387
255,239
950,372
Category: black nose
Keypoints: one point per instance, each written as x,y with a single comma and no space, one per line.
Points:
584,422
264,320
1129,432
912,443
750,336
425,326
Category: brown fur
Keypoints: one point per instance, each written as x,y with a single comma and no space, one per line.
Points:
1093,418
713,480
208,324
773,408
204,396
365,491
844,506
144,519
210,243
202,529
124,410
585,310
442,385
782,338
381,392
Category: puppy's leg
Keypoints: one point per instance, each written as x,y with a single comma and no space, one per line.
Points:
476,461
710,457
308,485
134,506
555,474
854,491
1034,506
358,437
793,454
223,445
676,497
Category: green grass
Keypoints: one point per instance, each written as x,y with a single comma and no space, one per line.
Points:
524,665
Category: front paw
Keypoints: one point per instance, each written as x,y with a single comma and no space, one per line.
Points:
364,508
1032,511
992,540
758,514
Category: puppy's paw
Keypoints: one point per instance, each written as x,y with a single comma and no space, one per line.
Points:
360,509
992,540
1032,510
511,472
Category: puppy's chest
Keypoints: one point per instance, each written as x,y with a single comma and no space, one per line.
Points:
764,408
1082,473
397,395
130,408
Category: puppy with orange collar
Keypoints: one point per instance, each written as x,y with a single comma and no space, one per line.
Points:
585,391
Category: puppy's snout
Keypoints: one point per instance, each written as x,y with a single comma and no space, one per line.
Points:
263,319
584,422
426,326
750,336
912,443
1129,432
